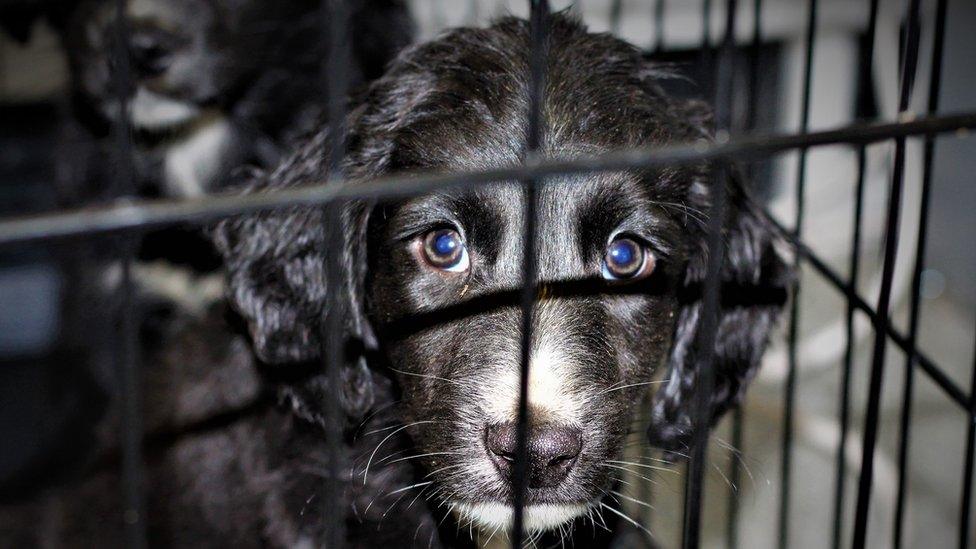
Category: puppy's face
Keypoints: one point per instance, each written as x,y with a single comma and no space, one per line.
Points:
435,280
602,324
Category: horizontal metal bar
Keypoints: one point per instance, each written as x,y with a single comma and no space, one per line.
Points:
928,366
148,214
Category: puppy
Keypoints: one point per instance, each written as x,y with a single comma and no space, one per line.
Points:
225,465
215,84
431,282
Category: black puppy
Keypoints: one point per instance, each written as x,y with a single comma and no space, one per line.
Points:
226,467
431,282
215,84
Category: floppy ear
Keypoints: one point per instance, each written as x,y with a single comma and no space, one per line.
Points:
754,288
277,282
357,394
276,266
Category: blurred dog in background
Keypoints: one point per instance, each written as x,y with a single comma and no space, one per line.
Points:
213,85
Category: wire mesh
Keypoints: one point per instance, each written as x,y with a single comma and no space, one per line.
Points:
935,82
126,348
124,222
883,320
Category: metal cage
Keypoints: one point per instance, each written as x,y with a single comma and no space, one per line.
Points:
125,221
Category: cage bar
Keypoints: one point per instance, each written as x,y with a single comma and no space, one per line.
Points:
786,465
658,45
125,222
934,373
711,294
844,414
840,479
887,276
616,10
965,507
147,214
126,349
935,83
335,77
738,413
538,59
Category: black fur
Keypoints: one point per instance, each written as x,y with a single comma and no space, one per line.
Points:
225,466
451,341
255,66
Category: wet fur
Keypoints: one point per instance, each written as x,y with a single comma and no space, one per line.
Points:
232,457
423,347
460,103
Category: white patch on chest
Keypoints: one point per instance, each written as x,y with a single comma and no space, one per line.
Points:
191,164
152,111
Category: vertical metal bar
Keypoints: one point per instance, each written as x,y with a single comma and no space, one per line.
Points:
755,49
646,494
706,71
705,338
884,298
738,415
646,489
616,9
965,509
335,79
855,262
126,355
935,81
538,55
658,46
786,466
845,386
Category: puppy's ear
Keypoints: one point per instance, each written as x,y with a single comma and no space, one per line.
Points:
754,288
276,266
356,395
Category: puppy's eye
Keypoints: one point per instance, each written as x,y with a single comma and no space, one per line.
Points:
627,259
444,249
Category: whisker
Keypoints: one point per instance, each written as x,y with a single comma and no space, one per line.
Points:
427,376
621,481
366,471
388,456
628,519
602,520
634,500
727,481
417,497
622,387
376,412
737,455
445,468
424,455
652,467
405,488
629,471
658,460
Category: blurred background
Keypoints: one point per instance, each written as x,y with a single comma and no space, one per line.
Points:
46,400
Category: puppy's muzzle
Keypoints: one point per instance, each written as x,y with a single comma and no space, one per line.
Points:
552,451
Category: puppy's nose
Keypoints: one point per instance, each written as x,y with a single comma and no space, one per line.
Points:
151,50
552,450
